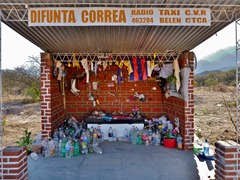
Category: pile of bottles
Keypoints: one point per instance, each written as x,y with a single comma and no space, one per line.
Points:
149,135
145,136
72,139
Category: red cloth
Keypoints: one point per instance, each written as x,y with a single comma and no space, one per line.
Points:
135,69
144,68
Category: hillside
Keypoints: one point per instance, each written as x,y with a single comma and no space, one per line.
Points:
222,60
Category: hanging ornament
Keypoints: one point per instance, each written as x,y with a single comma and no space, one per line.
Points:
69,64
154,56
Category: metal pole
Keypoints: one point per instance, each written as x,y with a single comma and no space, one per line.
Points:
237,90
1,120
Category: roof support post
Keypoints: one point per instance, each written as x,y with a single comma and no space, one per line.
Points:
237,26
1,120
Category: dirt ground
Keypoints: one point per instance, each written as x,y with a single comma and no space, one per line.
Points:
211,116
20,116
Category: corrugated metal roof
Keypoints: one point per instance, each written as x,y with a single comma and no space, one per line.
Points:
121,39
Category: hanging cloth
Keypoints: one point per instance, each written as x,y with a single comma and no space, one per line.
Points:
166,70
129,67
150,67
95,68
144,68
119,72
75,62
139,69
84,63
176,73
134,76
105,64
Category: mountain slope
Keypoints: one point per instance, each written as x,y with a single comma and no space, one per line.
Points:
223,59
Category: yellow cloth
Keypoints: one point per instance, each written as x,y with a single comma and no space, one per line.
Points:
129,67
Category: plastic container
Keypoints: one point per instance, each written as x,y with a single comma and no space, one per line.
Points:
34,155
97,149
169,143
206,148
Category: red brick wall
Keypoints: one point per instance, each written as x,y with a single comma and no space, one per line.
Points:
227,155
14,163
81,106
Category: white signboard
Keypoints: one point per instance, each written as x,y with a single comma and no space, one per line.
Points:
106,16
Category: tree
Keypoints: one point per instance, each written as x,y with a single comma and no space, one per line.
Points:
211,82
24,79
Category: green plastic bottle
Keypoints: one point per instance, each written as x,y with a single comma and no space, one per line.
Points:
64,142
76,148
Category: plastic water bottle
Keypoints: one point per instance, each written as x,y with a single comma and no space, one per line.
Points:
134,136
130,134
59,153
126,134
97,149
56,133
61,133
206,148
68,149
110,134
114,134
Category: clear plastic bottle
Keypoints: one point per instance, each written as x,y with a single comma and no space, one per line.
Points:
134,136
97,149
114,134
206,148
126,135
150,135
56,133
61,133
157,139
110,134
59,153
68,145
130,134
51,145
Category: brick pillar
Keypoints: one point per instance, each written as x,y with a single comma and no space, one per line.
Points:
15,163
189,104
189,115
46,113
226,154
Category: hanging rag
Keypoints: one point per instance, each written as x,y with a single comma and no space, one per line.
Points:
176,73
139,69
75,62
105,64
119,72
95,68
84,63
134,76
129,67
144,68
166,70
149,68
92,67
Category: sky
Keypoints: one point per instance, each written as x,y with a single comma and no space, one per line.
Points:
16,49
